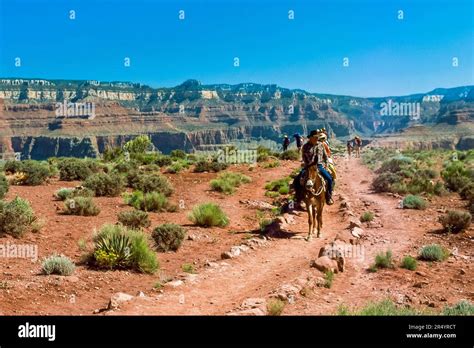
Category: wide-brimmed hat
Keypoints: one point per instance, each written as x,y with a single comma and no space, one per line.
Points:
322,136
313,133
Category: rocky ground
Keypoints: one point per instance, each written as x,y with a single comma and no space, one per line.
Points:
237,271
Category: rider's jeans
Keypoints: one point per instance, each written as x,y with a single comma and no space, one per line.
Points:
326,177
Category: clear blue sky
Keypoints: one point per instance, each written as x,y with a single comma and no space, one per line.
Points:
387,56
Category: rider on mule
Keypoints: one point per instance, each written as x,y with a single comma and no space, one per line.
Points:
314,153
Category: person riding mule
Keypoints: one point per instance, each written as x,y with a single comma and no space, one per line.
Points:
314,154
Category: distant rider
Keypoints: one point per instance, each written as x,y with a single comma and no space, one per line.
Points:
286,143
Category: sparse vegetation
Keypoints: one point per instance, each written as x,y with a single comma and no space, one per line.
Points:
292,155
152,183
117,247
328,278
188,268
414,202
382,308
65,193
208,215
409,263
76,169
151,201
227,182
102,184
281,186
455,221
135,219
16,217
275,307
433,252
202,166
367,216
83,206
168,237
30,173
384,260
463,307
3,186
58,264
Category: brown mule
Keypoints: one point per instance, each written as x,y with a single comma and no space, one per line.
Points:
314,199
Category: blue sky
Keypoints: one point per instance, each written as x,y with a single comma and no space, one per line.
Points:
387,56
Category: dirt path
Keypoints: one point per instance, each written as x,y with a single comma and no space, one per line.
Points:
222,288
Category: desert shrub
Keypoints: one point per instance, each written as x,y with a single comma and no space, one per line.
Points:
455,221
205,166
139,144
178,154
395,164
278,185
188,268
463,307
145,158
367,216
382,308
168,237
227,182
328,279
116,246
174,168
34,172
76,168
456,176
467,192
275,307
433,252
272,164
208,215
414,202
112,154
134,219
16,217
163,160
125,166
65,193
153,183
384,260
263,153
384,182
102,184
58,264
409,262
12,166
292,155
3,186
82,206
150,201
272,194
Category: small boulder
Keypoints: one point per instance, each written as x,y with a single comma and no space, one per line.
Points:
357,232
325,264
117,299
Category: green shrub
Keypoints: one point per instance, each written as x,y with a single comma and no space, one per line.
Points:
272,164
414,202
82,206
153,183
467,192
456,221
292,155
328,278
433,252
119,247
277,185
112,154
175,168
125,166
205,166
227,182
12,166
384,182
151,201
102,184
367,216
163,160
207,215
463,307
134,219
3,186
456,176
275,307
76,168
409,262
58,264
188,268
34,173
395,164
272,194
65,193
382,308
16,217
178,154
168,237
384,260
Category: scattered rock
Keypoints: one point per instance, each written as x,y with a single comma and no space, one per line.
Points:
233,252
354,223
325,264
335,251
249,312
357,232
117,299
175,283
462,271
253,303
257,204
